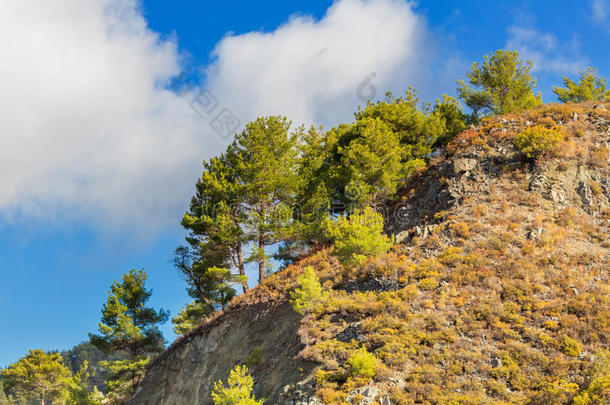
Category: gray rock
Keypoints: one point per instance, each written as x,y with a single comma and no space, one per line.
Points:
402,236
308,401
464,165
385,400
369,395
557,196
585,193
534,234
538,183
373,284
350,333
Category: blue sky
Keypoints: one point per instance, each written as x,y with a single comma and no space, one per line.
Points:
98,159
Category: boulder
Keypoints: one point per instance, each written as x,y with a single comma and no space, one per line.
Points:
464,165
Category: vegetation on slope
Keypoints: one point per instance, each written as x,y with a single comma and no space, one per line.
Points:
505,300
497,292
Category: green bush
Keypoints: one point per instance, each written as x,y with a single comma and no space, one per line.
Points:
359,236
537,140
363,364
238,390
254,359
309,292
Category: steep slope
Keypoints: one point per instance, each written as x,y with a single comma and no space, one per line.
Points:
498,291
186,373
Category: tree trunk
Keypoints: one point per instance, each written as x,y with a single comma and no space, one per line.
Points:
242,270
262,211
261,259
42,400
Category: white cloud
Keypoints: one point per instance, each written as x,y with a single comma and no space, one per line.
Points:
546,51
310,70
599,10
88,132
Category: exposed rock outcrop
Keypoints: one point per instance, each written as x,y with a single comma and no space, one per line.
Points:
187,371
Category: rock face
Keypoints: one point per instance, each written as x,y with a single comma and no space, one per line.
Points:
471,171
186,372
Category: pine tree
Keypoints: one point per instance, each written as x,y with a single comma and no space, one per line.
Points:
128,326
308,294
79,390
390,139
217,216
189,317
39,375
244,196
122,378
414,123
313,199
369,166
3,398
359,235
502,84
208,284
590,87
265,157
238,390
452,115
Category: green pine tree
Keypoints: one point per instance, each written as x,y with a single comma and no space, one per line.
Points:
4,400
80,391
501,84
237,391
359,235
452,115
189,317
590,87
266,158
122,378
129,326
369,167
210,285
216,217
39,376
309,293
390,139
313,201
414,123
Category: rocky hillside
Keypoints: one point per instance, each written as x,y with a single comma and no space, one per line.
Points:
497,290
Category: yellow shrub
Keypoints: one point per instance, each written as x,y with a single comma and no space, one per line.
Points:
537,140
571,347
363,364
428,283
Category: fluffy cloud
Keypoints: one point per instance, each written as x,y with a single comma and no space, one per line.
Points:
312,70
90,131
545,50
87,129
